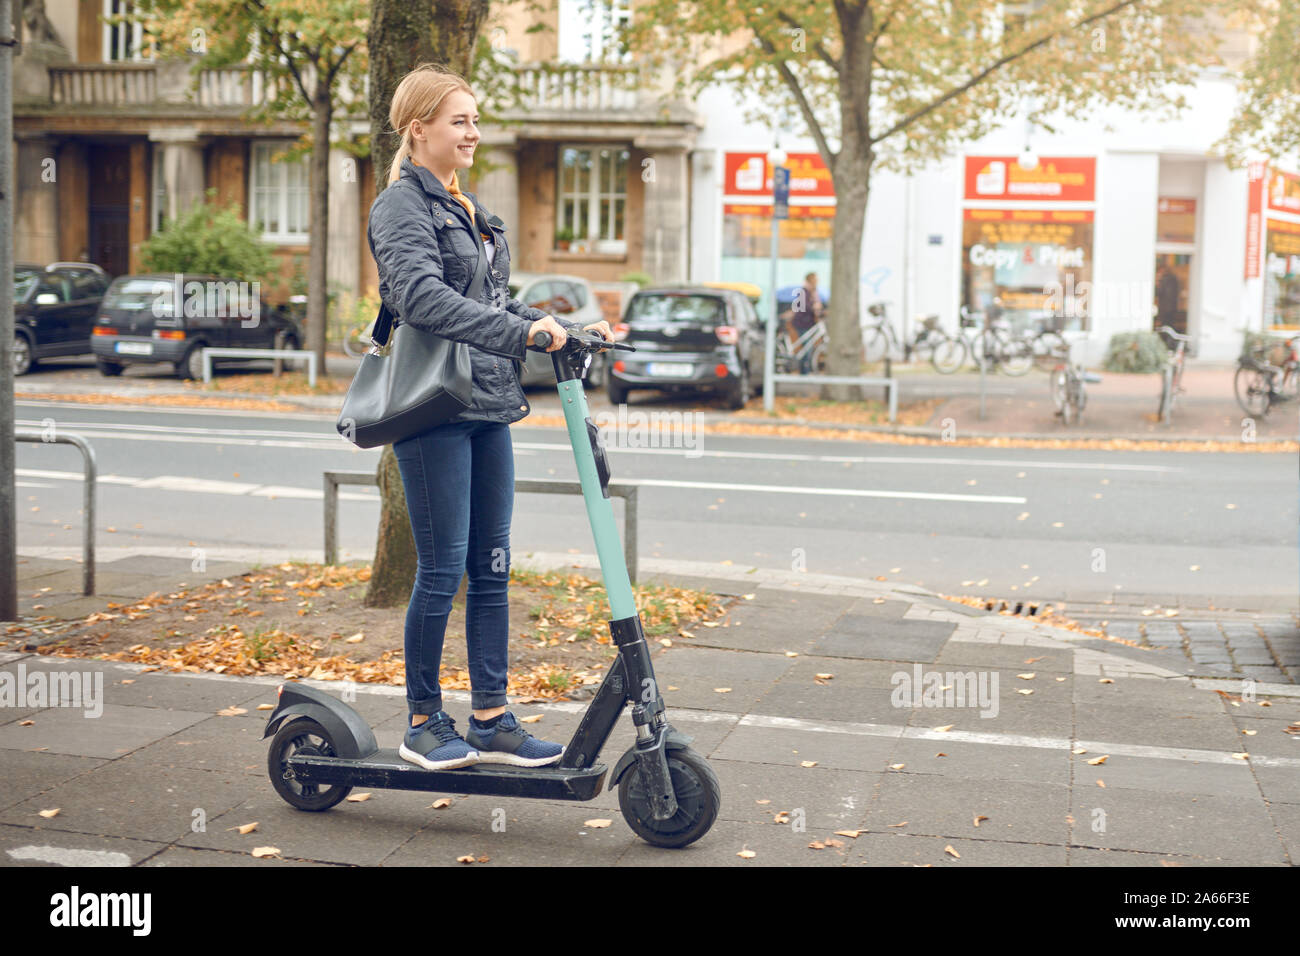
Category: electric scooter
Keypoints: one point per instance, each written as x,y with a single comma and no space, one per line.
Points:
667,792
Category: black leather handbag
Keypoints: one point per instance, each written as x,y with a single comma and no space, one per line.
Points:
409,384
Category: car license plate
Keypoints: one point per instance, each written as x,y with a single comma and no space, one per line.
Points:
135,348
670,369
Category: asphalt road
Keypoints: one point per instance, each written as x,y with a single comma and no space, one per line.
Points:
1082,525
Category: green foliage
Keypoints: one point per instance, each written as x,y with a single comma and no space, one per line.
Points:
209,239
1136,352
1267,119
642,279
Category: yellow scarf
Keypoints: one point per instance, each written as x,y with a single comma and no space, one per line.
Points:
464,200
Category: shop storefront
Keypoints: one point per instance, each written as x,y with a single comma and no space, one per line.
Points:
1282,252
804,243
1027,238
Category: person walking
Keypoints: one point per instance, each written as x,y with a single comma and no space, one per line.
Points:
426,234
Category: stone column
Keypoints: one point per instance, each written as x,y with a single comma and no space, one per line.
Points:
342,257
666,215
183,176
498,189
36,207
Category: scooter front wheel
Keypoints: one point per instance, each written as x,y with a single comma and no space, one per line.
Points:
698,799
306,737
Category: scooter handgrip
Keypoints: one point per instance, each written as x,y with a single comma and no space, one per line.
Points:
541,341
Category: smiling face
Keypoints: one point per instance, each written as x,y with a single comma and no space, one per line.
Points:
446,143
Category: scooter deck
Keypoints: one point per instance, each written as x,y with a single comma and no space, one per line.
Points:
385,770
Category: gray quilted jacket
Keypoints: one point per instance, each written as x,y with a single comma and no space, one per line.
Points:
426,250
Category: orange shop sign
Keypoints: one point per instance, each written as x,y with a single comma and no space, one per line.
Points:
748,174
1054,179
1283,191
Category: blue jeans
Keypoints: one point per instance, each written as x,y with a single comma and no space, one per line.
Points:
459,480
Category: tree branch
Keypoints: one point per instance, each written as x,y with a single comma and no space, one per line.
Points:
792,82
953,93
820,50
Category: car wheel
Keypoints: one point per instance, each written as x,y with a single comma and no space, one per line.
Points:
739,394
617,393
108,368
191,366
22,354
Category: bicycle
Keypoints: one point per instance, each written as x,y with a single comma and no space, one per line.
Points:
807,354
1048,345
1068,387
885,340
1013,356
1260,383
1172,376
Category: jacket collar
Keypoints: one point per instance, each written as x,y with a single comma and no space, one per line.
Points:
434,187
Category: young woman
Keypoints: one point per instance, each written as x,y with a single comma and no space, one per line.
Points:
425,235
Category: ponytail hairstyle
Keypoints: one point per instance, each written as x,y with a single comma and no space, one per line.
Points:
419,96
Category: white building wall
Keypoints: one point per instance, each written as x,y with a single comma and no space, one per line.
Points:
1139,158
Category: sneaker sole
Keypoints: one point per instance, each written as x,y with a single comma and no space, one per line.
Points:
410,755
493,756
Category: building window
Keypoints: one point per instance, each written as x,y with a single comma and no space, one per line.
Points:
158,209
124,38
279,203
591,31
592,198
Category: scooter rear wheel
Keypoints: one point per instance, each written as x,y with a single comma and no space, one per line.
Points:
698,800
302,736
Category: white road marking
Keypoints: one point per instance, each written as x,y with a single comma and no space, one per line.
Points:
66,857
848,492
211,486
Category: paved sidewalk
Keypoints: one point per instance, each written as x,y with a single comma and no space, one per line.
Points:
1189,776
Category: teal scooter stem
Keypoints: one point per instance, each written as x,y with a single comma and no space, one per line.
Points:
667,792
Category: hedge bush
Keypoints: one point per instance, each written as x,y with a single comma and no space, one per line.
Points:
1136,352
209,240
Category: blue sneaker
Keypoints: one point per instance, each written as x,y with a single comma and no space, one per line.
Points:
508,742
435,745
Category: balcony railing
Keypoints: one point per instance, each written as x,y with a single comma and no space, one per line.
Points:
117,84
579,86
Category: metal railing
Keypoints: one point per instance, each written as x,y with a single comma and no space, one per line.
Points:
280,354
617,489
88,457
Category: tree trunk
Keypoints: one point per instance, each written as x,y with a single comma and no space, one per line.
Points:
317,291
851,176
401,37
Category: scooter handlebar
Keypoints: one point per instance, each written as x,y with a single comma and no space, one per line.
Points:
591,343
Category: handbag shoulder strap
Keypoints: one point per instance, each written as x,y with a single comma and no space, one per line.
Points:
385,321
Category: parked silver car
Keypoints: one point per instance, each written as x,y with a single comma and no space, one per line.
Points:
569,299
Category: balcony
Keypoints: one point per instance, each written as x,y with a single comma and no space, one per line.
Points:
118,84
579,87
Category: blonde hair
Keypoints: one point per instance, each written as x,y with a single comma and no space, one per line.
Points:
419,95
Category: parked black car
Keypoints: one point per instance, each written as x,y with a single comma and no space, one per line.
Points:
160,318
54,309
689,337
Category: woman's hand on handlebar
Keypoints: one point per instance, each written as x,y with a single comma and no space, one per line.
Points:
602,329
548,324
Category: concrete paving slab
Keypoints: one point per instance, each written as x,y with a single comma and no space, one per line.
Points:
864,637
119,730
1216,828
908,849
136,798
28,773
1018,811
